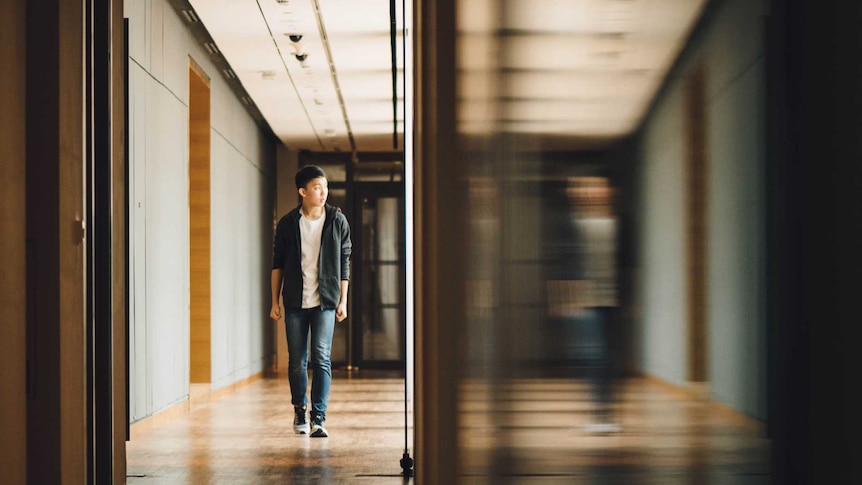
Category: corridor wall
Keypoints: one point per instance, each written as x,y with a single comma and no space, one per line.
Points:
729,44
242,170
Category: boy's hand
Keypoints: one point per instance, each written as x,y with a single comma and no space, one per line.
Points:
275,312
341,312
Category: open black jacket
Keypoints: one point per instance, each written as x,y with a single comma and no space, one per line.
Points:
333,265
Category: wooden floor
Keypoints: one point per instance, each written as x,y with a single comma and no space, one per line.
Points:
533,431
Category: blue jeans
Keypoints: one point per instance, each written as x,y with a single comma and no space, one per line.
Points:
297,324
595,330
586,338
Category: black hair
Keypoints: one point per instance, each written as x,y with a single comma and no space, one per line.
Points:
308,173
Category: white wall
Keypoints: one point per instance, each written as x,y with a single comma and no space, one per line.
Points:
736,140
731,49
662,242
242,170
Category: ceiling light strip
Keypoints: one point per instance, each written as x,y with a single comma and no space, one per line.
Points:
283,63
190,16
333,73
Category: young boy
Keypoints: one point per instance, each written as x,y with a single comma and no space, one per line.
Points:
311,257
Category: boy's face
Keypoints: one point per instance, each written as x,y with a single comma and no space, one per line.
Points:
314,193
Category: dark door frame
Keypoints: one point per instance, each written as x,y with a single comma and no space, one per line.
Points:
99,241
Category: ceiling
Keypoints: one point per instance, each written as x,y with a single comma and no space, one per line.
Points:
339,98
563,70
570,73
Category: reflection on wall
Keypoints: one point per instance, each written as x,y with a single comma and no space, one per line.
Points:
382,228
568,300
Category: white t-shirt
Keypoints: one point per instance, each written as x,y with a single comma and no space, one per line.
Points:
599,237
310,233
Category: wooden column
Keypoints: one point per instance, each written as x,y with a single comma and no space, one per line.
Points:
696,210
438,247
56,406
199,224
13,402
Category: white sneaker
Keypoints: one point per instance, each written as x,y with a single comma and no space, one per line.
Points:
603,428
300,421
317,430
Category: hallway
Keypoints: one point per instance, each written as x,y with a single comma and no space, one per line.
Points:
544,435
662,188
246,438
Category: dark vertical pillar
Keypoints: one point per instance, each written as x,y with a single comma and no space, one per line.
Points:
43,227
815,187
120,129
100,243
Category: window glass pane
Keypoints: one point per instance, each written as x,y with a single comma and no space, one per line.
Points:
378,172
339,343
389,284
337,197
382,338
335,172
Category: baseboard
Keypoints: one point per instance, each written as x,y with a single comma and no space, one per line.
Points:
262,364
142,427
226,390
733,417
682,391
699,392
199,394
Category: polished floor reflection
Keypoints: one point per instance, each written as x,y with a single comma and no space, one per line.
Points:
247,438
542,431
526,431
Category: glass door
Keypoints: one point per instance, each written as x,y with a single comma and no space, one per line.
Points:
379,285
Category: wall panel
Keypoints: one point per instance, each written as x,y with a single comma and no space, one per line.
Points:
662,284
736,201
167,242
239,174
138,376
729,44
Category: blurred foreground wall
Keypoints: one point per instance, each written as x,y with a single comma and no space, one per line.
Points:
729,48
